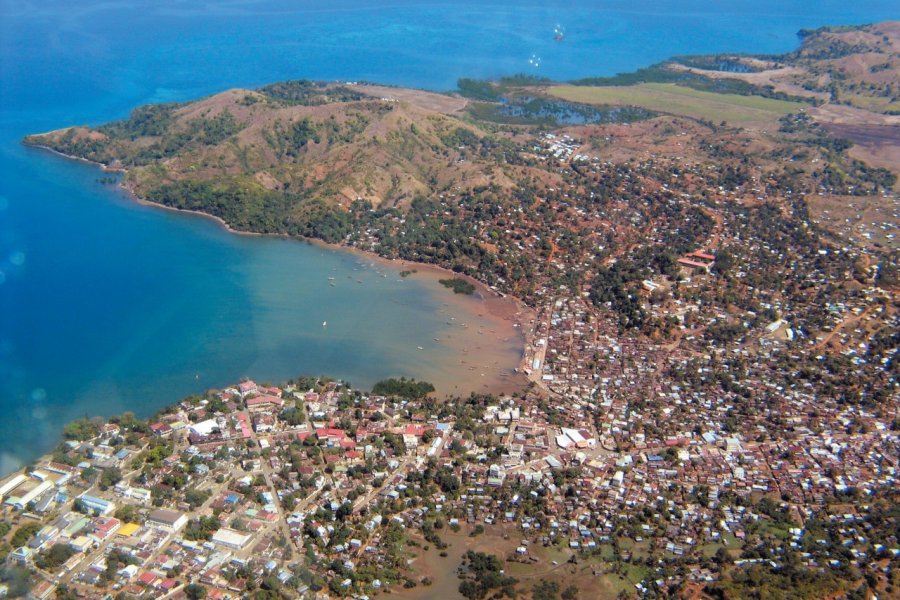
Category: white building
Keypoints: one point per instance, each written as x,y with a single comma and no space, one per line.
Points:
230,538
169,520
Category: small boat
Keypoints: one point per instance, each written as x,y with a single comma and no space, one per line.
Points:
419,348
324,323
559,34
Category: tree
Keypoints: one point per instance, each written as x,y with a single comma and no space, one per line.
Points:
110,477
127,513
54,557
570,593
24,533
196,497
722,557
344,511
545,590
195,592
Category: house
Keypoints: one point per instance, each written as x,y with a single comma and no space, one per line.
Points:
161,429
331,436
263,423
103,528
264,402
246,388
697,261
21,556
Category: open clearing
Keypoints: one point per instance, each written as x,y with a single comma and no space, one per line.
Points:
427,100
868,220
678,100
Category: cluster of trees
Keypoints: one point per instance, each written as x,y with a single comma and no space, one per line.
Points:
530,110
152,120
403,388
54,557
716,62
82,429
482,574
549,590
787,583
659,73
288,141
612,284
458,285
155,123
309,93
244,205
24,533
201,528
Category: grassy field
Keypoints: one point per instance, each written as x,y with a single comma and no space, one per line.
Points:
674,99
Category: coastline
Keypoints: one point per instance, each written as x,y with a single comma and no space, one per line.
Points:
501,308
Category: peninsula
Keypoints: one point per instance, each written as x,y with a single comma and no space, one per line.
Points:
710,249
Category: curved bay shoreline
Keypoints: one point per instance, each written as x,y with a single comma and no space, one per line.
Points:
503,311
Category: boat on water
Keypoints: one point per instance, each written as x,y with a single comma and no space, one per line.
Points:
324,323
559,34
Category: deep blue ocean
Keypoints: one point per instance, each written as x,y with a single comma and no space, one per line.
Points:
106,305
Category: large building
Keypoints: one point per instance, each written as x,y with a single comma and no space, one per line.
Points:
230,538
98,505
12,484
34,494
170,520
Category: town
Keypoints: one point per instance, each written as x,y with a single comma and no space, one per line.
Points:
315,489
710,397
695,410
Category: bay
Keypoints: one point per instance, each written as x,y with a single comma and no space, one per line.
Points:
107,305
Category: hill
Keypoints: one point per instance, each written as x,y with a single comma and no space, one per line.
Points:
265,160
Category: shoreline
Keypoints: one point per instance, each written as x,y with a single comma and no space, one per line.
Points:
501,307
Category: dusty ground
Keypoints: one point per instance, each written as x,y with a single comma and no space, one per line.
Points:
876,136
589,576
866,220
428,100
848,115
780,79
876,145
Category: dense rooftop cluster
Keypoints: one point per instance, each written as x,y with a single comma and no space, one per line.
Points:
316,488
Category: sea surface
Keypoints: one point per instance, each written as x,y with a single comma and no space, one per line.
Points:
107,305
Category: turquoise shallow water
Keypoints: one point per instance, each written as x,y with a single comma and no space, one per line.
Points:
106,305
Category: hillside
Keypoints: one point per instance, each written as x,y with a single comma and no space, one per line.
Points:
265,160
